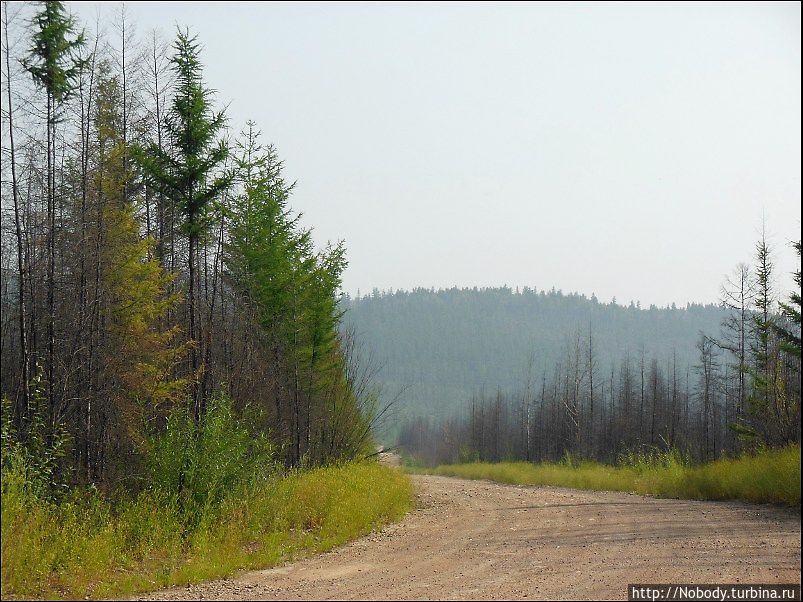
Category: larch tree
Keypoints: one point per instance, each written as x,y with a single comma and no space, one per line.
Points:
762,398
192,175
737,298
54,67
135,367
789,332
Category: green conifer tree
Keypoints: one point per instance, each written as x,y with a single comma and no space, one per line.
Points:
193,176
790,332
54,67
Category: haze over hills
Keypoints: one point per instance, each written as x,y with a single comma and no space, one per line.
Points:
441,346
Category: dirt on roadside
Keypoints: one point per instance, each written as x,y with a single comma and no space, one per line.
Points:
482,540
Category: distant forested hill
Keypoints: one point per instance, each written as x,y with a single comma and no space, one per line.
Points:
445,345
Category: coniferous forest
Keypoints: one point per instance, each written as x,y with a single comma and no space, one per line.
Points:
171,353
189,389
440,347
153,269
543,374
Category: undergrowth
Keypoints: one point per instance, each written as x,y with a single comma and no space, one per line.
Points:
211,503
771,476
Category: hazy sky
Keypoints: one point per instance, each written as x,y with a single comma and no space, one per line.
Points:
626,150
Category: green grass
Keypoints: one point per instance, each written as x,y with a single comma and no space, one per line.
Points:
82,547
769,477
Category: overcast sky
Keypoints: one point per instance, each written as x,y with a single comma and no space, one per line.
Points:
626,150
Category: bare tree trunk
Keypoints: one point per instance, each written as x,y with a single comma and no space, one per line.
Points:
83,388
51,260
591,367
21,412
215,269
196,394
641,407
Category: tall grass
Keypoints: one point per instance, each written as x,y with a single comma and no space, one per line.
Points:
772,476
83,546
209,502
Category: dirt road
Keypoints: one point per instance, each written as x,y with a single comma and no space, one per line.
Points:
481,540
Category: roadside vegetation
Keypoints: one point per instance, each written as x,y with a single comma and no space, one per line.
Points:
771,476
84,544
